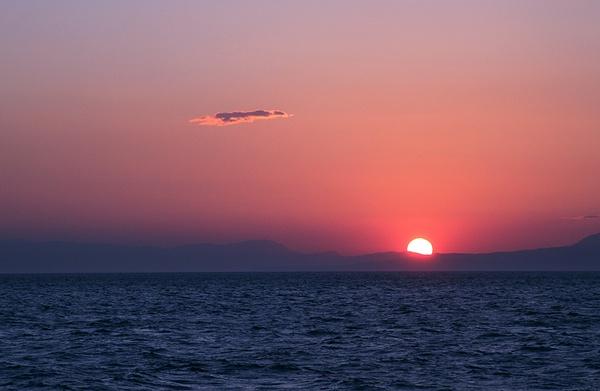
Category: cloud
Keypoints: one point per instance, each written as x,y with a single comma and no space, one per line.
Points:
238,117
585,217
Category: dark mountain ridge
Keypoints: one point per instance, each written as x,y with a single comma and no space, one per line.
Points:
19,256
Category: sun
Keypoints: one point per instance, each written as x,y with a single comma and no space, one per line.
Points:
420,246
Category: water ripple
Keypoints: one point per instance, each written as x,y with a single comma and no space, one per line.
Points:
368,331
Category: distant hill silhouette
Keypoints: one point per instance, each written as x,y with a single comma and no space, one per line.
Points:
264,255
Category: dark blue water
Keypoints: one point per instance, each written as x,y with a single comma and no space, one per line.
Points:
493,331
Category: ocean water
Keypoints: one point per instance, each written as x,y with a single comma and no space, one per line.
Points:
307,331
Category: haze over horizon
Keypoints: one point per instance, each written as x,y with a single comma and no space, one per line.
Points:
272,244
471,123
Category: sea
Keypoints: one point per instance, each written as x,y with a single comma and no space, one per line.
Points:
300,331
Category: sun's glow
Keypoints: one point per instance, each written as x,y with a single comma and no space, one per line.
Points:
420,246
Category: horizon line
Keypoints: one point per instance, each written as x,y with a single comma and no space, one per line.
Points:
229,243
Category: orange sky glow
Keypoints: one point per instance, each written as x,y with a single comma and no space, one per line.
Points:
474,124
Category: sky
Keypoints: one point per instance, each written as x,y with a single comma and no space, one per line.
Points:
324,125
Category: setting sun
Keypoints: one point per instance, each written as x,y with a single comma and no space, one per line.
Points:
420,246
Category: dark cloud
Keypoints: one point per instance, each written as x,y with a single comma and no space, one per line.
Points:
238,117
584,217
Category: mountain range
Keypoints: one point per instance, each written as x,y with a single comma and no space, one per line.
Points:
20,256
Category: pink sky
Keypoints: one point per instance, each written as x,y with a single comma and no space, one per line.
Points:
472,123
